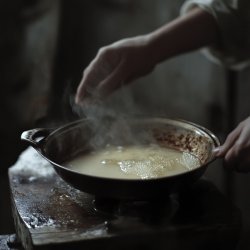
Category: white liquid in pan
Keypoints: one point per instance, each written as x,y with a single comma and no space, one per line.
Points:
134,162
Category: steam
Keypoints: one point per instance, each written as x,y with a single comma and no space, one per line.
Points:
110,120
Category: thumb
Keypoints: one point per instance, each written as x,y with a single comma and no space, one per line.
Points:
218,152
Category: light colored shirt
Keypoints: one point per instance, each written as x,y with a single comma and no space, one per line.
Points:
233,17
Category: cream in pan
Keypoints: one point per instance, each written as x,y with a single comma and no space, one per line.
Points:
134,162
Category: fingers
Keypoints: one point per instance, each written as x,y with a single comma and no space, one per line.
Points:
238,159
236,149
85,85
112,82
91,78
230,141
238,156
97,72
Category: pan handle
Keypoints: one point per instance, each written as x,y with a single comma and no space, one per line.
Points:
35,136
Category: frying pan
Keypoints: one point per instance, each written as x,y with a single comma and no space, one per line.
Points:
60,145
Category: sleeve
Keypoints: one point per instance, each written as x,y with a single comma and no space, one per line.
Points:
233,18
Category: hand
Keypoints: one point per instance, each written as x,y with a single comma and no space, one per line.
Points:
236,149
114,66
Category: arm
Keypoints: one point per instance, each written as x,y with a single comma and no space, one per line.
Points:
190,32
128,59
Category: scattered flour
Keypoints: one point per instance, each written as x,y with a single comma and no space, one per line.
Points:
31,163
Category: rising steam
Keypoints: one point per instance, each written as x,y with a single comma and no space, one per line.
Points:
110,120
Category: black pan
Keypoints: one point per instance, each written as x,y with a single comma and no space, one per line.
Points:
66,142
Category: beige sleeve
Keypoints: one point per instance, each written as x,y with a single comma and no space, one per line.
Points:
233,17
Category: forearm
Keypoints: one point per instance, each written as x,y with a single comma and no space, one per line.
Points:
190,32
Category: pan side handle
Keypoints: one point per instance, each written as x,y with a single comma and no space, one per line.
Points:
35,136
